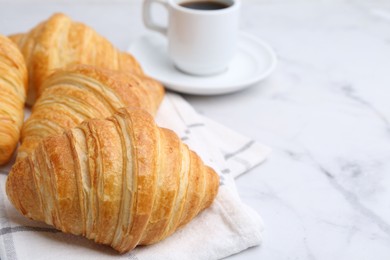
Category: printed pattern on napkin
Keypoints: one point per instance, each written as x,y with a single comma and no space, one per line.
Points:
226,228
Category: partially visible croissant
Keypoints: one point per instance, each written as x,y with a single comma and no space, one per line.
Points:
122,181
13,87
83,92
59,42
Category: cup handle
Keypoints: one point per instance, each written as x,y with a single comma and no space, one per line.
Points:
147,16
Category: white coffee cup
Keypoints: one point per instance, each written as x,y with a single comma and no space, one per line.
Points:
200,42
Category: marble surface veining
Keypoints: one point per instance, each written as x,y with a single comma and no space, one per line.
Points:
324,193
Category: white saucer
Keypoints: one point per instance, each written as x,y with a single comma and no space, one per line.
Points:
254,61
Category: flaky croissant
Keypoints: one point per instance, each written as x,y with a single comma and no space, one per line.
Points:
13,86
121,181
59,42
83,92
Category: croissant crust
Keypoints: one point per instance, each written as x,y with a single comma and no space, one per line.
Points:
13,86
59,42
83,92
121,181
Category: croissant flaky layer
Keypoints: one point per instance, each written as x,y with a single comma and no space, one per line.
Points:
122,181
84,92
59,42
13,84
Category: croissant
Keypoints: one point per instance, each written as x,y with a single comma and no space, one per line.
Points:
13,87
83,92
59,42
121,181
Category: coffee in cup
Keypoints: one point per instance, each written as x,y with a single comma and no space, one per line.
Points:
204,5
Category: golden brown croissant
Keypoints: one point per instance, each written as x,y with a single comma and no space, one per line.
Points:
59,42
13,86
83,92
121,181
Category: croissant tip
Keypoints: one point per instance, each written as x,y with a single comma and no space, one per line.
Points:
59,15
12,182
21,189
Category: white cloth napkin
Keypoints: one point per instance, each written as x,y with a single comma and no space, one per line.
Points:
226,228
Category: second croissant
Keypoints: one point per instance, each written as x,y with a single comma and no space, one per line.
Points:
84,92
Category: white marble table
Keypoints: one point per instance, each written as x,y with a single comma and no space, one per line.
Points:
324,191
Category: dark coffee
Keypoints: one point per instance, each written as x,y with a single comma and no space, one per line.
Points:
204,5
